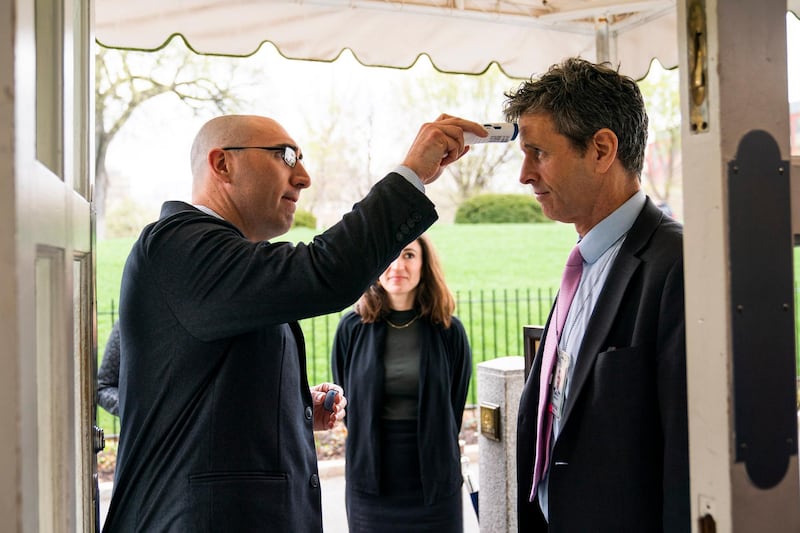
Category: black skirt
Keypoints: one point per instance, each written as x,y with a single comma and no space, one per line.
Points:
400,507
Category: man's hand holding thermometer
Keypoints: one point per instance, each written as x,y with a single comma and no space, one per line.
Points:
446,140
498,132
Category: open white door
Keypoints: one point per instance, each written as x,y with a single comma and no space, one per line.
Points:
46,272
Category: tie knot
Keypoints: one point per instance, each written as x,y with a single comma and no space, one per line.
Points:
575,258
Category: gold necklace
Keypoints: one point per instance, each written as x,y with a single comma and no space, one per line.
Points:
401,326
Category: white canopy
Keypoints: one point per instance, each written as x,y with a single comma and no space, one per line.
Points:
465,36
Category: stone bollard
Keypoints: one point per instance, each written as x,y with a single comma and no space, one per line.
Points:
499,385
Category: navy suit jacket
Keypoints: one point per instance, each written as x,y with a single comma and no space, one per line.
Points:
621,461
215,408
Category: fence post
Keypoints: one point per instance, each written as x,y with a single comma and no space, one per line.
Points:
500,384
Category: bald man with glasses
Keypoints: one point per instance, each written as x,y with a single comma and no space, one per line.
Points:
217,416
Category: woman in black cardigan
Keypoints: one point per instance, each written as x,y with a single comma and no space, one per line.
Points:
404,362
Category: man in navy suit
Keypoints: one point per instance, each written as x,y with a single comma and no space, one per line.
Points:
216,413
616,397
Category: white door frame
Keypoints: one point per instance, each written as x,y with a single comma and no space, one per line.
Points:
47,271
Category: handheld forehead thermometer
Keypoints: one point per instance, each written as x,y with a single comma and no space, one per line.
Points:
499,132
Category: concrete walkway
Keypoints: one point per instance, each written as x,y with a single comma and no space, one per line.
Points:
334,517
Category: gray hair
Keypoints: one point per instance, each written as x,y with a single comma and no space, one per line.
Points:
582,98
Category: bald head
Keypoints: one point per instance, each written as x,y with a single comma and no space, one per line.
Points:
240,172
227,130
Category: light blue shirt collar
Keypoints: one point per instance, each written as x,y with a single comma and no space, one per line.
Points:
610,229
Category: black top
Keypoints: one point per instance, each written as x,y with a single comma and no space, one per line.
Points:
401,366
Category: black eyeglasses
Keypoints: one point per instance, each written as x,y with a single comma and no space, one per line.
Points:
289,154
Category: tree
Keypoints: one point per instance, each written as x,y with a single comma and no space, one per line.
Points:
479,98
125,80
662,160
343,116
339,141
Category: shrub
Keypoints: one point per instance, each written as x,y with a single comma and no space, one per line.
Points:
500,209
304,219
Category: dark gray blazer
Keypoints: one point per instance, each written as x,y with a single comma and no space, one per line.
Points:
621,461
215,409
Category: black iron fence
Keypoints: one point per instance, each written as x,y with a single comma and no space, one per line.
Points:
493,319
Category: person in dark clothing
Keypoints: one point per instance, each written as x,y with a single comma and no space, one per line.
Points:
602,429
216,412
405,362
108,374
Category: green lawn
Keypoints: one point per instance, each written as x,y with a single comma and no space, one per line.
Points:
503,261
503,274
485,256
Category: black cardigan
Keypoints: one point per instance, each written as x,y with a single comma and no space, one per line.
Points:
445,371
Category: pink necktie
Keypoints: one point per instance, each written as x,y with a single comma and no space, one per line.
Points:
544,420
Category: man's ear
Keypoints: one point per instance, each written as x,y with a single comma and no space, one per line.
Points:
605,143
218,161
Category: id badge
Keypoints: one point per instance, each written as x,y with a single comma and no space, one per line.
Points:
560,383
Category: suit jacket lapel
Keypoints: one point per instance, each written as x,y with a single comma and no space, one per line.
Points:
607,308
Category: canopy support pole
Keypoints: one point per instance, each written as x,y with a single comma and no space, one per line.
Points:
601,42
